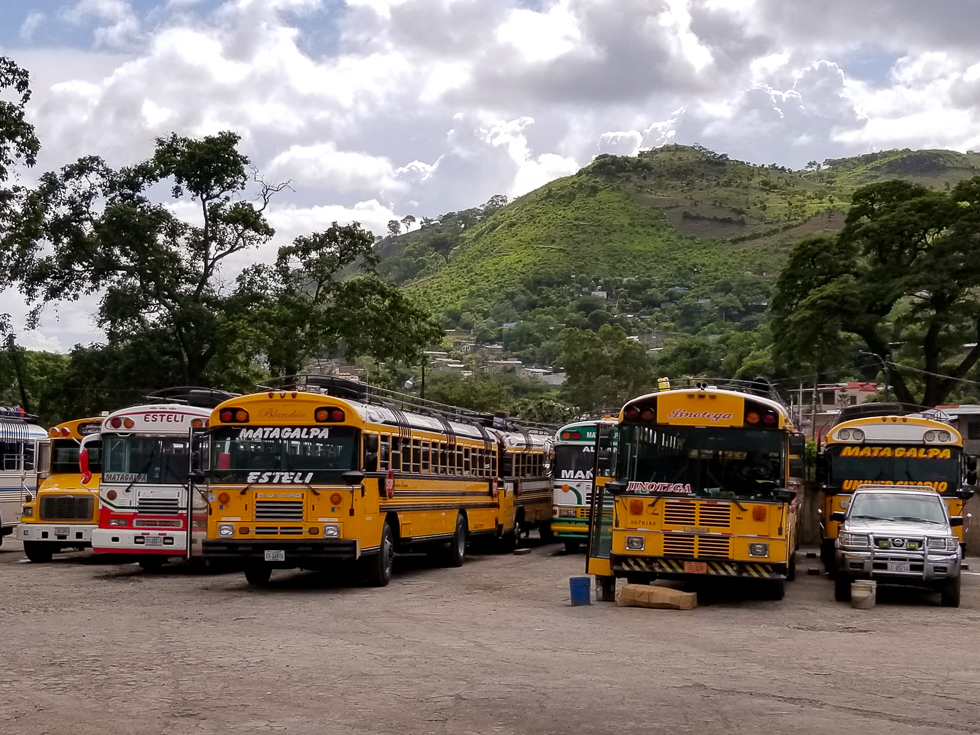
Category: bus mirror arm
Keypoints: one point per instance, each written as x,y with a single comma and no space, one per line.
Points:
955,521
353,477
838,516
616,487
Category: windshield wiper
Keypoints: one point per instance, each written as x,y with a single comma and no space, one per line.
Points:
862,516
913,519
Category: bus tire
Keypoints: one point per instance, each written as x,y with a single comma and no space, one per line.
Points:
457,547
827,556
791,569
842,587
378,567
777,589
571,546
951,592
546,534
605,589
258,575
152,563
38,551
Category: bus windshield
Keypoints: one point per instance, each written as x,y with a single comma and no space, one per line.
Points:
574,461
64,457
855,465
154,460
261,455
683,460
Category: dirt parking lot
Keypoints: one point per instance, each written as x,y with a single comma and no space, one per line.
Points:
93,647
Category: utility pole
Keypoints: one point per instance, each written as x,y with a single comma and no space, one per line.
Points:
813,410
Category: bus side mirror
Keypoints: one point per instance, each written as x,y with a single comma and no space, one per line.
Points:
967,493
838,516
604,461
783,495
617,487
197,476
797,445
823,468
971,463
353,477
956,521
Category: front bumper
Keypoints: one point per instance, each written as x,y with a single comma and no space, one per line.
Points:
124,541
577,528
923,568
664,568
298,552
67,534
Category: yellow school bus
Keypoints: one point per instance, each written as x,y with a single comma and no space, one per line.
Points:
340,472
890,444
65,508
706,483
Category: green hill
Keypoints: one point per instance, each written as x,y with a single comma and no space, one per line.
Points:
671,228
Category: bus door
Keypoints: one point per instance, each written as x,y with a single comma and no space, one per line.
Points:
198,505
601,507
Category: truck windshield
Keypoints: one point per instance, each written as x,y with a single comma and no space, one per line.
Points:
283,454
725,463
896,507
855,465
64,457
574,461
153,460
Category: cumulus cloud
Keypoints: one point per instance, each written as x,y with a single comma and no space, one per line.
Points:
380,108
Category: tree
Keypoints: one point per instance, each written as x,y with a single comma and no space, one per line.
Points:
300,308
604,369
394,228
18,143
159,275
903,273
408,220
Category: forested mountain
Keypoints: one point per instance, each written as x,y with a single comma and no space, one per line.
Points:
678,241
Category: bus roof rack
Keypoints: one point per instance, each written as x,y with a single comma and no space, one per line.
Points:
760,386
189,395
871,410
356,390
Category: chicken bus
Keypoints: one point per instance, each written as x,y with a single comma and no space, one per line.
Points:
19,437
890,444
332,471
64,510
706,482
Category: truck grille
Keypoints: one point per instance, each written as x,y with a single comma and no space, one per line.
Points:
278,510
677,513
67,507
158,506
279,531
713,546
678,545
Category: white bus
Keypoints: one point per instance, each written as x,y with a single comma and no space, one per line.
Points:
143,492
572,471
18,474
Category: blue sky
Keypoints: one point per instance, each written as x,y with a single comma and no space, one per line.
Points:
375,109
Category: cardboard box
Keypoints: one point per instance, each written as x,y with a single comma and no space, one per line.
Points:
650,595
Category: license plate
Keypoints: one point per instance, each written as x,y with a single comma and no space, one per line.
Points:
695,529
695,567
275,555
154,540
898,566
61,530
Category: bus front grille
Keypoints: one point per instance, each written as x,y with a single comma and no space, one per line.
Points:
279,531
278,510
158,506
713,546
719,516
678,545
677,513
67,508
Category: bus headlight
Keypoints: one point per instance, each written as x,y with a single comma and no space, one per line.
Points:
566,513
331,530
758,549
27,512
634,543
226,530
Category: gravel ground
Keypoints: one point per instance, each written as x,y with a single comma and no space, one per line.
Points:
91,646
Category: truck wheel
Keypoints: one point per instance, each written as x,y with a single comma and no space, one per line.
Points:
258,574
457,547
378,566
38,552
791,569
605,589
546,534
951,592
842,587
776,589
571,546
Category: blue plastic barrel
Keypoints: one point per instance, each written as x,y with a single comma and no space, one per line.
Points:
581,590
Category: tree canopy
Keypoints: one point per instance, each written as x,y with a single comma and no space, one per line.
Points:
604,369
901,281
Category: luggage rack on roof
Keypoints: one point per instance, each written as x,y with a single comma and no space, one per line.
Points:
189,395
354,390
760,387
873,410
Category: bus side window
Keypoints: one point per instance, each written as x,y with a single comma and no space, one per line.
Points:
29,456
396,454
371,453
508,468
384,458
467,464
416,456
426,453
